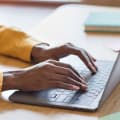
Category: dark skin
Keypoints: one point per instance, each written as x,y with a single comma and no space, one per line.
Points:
48,72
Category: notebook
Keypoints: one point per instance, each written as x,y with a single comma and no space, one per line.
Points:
103,22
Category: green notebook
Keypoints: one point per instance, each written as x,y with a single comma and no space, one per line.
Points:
103,22
114,116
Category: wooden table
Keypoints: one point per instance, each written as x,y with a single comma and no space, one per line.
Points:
52,31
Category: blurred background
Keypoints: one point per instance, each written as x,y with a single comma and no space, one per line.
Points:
59,2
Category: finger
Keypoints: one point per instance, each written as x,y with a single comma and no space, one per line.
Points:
66,79
89,62
67,72
67,49
82,55
91,56
66,66
92,60
69,80
64,86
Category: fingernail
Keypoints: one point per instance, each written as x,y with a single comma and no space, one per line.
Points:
84,87
75,87
94,70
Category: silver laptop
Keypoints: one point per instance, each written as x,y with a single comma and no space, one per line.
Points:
100,87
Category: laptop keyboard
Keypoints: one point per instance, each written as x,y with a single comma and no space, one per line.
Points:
96,83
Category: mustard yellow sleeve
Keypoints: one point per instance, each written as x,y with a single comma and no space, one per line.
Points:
16,43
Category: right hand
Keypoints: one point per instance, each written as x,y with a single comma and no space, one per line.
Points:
45,75
42,52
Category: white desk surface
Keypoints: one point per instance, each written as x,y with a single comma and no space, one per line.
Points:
23,17
28,18
67,25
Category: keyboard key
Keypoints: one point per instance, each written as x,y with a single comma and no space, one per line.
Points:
67,99
52,99
84,100
61,98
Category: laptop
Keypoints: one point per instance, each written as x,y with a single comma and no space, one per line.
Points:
99,89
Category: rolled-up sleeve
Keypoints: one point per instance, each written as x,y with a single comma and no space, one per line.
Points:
16,43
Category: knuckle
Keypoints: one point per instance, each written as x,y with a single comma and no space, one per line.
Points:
86,52
47,66
66,46
83,51
68,43
69,72
68,65
64,77
57,84
50,61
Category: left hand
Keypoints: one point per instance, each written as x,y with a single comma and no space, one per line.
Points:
40,54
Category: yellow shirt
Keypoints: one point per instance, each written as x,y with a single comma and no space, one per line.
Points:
16,44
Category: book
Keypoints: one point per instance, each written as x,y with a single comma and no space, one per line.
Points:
103,22
114,116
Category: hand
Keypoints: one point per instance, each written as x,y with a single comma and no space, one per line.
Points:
45,75
40,53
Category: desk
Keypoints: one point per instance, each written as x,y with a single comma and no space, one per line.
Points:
55,35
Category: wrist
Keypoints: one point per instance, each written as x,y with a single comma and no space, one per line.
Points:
9,80
38,52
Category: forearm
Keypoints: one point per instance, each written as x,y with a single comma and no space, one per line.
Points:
17,44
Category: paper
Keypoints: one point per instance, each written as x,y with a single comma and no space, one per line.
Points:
114,116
